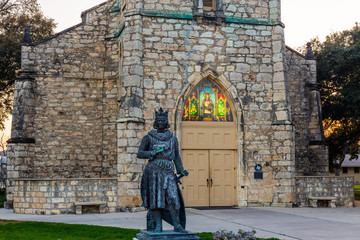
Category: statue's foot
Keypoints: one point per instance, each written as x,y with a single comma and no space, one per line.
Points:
180,229
157,229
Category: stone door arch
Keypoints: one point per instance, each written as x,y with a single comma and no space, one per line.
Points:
211,146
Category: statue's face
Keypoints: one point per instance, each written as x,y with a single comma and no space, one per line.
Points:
161,122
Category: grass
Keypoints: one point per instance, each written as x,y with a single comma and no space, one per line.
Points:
357,192
2,197
17,230
11,230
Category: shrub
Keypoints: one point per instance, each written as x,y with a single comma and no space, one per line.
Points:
240,235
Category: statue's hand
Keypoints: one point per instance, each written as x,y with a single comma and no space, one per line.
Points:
156,151
184,173
159,150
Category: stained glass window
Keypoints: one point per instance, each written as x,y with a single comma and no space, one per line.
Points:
207,103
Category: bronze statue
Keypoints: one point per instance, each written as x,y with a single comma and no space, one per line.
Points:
159,184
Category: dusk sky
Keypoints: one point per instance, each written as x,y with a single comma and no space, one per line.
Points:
304,19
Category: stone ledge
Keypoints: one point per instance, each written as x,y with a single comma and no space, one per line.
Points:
134,119
324,177
89,203
147,235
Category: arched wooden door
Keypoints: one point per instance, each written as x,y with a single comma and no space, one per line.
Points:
208,134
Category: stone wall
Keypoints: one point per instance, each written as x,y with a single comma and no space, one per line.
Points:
311,152
57,196
73,116
253,9
174,6
340,187
250,59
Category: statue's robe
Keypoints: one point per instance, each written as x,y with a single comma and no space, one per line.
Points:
159,187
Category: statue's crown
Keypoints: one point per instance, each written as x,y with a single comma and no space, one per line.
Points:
161,112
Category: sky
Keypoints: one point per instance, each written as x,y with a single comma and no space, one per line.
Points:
303,19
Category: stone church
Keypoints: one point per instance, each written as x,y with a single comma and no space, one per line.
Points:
244,107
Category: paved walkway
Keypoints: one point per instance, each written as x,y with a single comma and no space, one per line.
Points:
282,223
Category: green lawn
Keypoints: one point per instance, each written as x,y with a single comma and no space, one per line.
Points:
357,192
15,230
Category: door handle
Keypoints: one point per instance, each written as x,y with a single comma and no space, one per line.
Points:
207,182
211,182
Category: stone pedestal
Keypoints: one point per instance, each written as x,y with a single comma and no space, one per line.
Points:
147,235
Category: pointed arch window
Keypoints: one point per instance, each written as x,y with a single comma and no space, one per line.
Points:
207,103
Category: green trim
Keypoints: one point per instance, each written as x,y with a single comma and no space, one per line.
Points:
175,15
190,16
248,21
115,10
118,33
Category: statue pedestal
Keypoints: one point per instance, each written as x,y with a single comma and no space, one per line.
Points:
147,235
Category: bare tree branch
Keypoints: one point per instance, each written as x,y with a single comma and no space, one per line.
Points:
6,5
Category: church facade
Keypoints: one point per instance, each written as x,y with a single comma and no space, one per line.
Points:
244,107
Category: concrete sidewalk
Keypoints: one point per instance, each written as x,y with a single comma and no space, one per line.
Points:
282,223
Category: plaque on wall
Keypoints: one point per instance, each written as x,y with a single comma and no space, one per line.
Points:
258,174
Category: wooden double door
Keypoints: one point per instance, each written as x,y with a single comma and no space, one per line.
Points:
208,153
211,177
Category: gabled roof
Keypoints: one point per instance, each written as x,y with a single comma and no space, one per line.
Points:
351,163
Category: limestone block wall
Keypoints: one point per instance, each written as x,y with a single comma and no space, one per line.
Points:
251,60
57,196
299,96
76,100
340,187
250,9
23,110
253,9
174,6
311,150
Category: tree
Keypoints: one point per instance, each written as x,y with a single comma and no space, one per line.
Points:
338,69
3,144
14,16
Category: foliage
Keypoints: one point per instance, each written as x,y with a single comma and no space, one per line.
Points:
14,16
338,75
357,192
2,197
240,235
206,236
